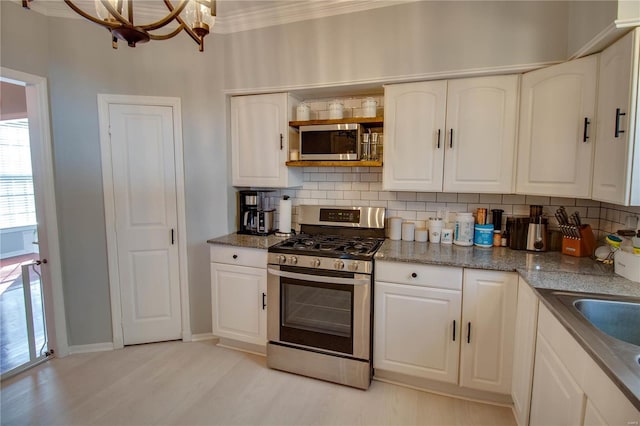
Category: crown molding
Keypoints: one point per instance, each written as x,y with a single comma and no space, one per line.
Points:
244,20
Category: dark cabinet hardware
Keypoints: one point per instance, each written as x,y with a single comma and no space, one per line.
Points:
414,275
585,134
618,115
264,301
172,237
451,139
438,138
469,332
454,330
235,256
281,137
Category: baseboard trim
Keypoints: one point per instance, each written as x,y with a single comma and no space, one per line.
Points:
441,388
93,347
242,346
202,337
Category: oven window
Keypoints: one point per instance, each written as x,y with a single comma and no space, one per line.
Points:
317,315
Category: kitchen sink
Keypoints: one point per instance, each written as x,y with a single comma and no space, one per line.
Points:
620,320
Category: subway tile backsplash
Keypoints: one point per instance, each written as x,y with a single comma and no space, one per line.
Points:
362,186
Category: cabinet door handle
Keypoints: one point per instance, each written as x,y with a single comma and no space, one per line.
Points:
454,330
451,139
173,237
469,332
281,138
618,114
264,301
438,138
585,134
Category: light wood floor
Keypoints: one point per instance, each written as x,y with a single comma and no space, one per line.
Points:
177,383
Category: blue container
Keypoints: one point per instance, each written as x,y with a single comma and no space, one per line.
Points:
483,235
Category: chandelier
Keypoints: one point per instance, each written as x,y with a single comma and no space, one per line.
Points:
196,17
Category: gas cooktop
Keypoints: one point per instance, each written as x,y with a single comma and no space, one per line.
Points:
344,247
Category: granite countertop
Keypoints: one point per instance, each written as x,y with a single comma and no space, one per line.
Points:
541,270
248,241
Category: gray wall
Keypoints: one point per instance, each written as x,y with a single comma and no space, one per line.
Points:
586,20
395,42
77,58
384,44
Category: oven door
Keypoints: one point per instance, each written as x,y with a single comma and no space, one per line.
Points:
320,310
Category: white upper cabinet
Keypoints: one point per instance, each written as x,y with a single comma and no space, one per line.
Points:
260,136
414,123
556,142
456,135
616,174
481,134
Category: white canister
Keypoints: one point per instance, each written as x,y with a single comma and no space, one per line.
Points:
294,155
422,235
395,228
463,235
369,106
408,231
303,111
435,229
447,236
336,110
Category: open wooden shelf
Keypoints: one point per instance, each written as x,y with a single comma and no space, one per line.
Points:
343,163
367,121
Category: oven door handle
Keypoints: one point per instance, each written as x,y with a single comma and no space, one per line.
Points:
363,280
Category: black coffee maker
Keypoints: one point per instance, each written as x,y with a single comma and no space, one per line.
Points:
255,214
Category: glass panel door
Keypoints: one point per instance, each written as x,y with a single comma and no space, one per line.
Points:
317,315
23,334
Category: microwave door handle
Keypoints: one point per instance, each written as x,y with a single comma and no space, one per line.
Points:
320,278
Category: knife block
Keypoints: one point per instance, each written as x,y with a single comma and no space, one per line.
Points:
580,247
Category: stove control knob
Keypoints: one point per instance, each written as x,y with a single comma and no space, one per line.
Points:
293,260
338,264
353,266
315,263
282,259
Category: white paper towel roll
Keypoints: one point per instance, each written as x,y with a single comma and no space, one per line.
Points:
395,228
285,216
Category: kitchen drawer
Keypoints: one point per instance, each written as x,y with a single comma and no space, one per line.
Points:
419,275
239,256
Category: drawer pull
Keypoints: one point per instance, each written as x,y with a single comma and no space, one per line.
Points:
235,256
414,275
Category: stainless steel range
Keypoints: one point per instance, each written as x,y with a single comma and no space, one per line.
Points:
319,292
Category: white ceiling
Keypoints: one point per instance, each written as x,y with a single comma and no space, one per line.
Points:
233,15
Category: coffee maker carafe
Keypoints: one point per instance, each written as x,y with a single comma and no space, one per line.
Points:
255,215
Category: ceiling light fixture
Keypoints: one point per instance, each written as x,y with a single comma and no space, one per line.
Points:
196,17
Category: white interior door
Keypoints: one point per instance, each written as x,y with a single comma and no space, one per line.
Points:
145,205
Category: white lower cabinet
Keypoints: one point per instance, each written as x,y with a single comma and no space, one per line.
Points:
414,329
238,294
568,386
418,330
488,319
524,347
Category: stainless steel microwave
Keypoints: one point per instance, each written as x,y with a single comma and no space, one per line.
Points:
330,142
